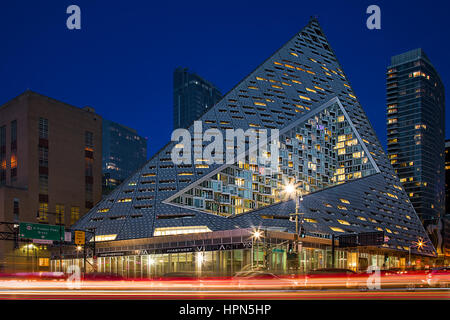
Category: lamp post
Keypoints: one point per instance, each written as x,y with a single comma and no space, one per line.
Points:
292,189
255,237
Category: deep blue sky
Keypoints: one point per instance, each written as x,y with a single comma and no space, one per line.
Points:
121,61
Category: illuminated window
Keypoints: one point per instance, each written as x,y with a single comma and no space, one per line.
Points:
124,200
104,237
103,210
44,262
337,229
304,98
180,230
148,174
185,174
59,210
74,214
393,120
342,207
345,201
43,212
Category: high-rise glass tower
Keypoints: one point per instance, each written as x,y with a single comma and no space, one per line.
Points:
192,96
124,151
416,131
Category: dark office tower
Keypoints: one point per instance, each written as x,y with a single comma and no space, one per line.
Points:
124,151
415,131
192,96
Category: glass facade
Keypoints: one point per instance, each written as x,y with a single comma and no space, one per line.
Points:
192,96
123,152
229,262
416,131
317,153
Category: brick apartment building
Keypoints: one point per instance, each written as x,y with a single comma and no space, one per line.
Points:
50,169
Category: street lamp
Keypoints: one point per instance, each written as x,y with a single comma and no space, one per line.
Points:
256,235
292,190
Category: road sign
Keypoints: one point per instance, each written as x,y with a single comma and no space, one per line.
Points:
42,241
67,236
41,231
80,237
348,240
375,238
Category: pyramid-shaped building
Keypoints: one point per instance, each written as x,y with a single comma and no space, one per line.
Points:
327,146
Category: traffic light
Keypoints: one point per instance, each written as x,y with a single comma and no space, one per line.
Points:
290,248
302,233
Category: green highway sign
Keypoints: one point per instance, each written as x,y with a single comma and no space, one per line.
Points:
41,231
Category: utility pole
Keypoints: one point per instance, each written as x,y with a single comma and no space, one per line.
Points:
297,207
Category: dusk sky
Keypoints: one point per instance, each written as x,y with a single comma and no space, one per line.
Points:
121,61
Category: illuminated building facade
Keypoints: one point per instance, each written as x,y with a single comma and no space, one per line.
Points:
167,214
123,152
416,131
446,219
447,176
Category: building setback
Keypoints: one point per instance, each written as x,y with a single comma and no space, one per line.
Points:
123,152
192,96
169,217
416,131
50,163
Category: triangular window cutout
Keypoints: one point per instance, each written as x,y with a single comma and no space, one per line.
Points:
320,150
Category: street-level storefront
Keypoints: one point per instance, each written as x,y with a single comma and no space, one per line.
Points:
223,253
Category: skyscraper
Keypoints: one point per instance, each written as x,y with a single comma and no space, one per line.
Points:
192,96
416,131
124,151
